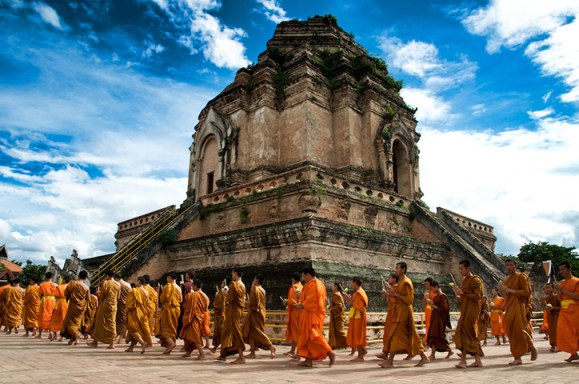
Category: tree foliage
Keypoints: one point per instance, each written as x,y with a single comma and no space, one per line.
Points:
31,270
536,253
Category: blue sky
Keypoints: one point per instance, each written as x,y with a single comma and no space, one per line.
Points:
98,101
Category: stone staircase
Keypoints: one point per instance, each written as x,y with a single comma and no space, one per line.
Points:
461,242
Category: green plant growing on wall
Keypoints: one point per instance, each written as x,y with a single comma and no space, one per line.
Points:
329,63
168,236
243,214
318,187
280,82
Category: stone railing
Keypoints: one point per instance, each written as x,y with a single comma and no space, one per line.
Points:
146,219
466,222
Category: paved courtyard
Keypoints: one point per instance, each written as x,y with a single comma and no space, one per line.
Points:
28,360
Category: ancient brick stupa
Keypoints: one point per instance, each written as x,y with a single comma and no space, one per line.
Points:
309,158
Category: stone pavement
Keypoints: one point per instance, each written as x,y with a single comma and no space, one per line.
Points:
29,360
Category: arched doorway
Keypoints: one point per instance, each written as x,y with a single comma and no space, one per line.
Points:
209,171
402,181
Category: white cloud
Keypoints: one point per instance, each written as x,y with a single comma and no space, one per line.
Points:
153,48
536,115
478,109
201,31
547,96
549,28
273,11
422,60
431,108
48,14
521,181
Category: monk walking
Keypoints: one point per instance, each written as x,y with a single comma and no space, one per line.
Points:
121,319
13,302
498,317
47,290
78,295
60,308
517,291
104,326
195,307
439,321
427,295
356,337
552,305
137,306
170,310
390,315
219,305
568,322
253,325
336,334
31,307
90,312
293,315
311,343
466,335
402,336
231,334
484,320
153,297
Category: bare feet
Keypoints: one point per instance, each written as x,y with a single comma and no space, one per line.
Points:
305,364
169,348
572,358
238,361
201,357
359,358
221,358
386,364
423,360
461,364
112,346
272,351
130,349
92,344
250,355
408,357
381,355
476,364
332,357
516,362
450,353
534,353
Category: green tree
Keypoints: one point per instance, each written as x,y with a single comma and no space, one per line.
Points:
536,253
31,270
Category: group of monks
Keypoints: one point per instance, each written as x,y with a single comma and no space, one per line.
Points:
119,310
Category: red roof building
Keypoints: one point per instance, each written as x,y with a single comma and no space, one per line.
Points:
8,270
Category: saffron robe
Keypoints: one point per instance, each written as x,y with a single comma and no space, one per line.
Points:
60,309
104,327
195,307
31,307
170,310
568,323
13,304
484,319
293,315
401,336
137,308
253,325
219,305
427,315
516,321
553,317
47,291
78,295
336,334
311,343
2,295
121,318
356,336
466,335
231,334
89,313
498,317
152,313
439,321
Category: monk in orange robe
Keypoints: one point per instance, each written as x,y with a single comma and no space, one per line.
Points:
439,321
219,305
336,334
517,291
13,304
545,324
60,308
568,322
356,336
153,297
3,288
498,317
253,325
293,315
78,295
137,307
311,343
484,320
466,335
402,337
121,319
104,326
170,310
90,312
206,324
47,290
231,334
390,313
427,295
552,305
31,307
196,306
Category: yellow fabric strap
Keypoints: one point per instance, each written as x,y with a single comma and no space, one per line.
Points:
566,303
496,311
48,297
61,299
352,313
